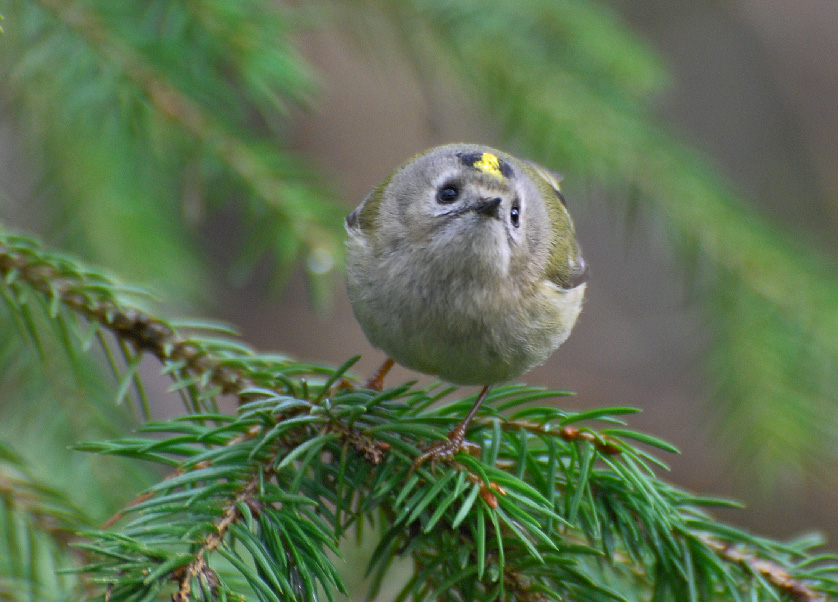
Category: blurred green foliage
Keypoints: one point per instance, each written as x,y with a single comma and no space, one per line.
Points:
159,112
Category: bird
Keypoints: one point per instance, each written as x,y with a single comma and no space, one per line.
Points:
464,264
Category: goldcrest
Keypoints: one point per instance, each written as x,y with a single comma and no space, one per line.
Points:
464,264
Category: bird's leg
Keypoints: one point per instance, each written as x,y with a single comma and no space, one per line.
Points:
444,450
376,381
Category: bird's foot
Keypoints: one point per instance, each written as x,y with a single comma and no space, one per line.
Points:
376,381
445,450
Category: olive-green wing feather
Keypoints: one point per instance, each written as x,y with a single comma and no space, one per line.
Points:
566,266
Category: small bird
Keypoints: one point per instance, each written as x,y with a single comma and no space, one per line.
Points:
464,264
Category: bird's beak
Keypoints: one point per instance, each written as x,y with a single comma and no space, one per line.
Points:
487,207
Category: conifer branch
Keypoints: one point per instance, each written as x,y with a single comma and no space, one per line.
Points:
772,572
57,282
178,107
568,433
238,479
198,568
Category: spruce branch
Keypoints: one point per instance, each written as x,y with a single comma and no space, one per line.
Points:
776,575
199,568
59,281
242,158
550,508
185,93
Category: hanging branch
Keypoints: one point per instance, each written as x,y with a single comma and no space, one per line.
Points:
61,283
217,82
240,156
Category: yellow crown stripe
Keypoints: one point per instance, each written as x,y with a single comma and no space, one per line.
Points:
489,164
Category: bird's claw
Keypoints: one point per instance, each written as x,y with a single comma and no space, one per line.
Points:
445,450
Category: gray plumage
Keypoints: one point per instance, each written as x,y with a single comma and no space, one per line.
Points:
464,264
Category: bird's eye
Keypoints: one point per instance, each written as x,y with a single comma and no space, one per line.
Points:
515,214
447,194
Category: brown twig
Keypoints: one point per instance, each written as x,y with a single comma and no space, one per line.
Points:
602,443
521,587
142,330
773,573
369,448
198,567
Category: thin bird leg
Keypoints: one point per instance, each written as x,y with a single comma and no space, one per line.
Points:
445,450
376,381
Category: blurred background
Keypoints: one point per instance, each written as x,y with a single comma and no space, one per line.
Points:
209,150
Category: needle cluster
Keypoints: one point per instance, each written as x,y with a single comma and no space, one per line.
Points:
554,504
